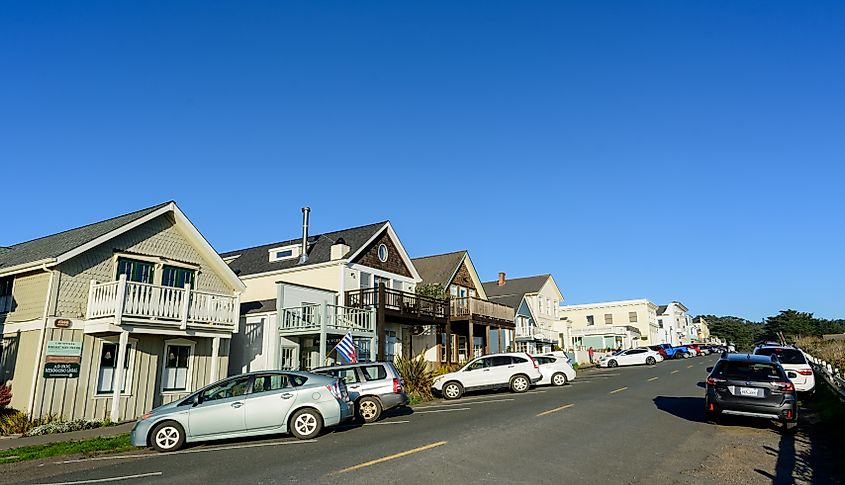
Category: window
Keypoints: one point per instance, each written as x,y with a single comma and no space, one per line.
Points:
287,252
374,372
6,294
177,277
500,360
231,388
135,270
590,320
479,364
284,254
632,317
608,319
108,362
389,345
363,347
660,322
382,253
269,382
349,376
785,356
176,368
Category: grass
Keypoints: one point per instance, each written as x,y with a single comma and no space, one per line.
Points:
112,444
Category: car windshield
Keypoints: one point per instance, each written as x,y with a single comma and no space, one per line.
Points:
748,371
785,356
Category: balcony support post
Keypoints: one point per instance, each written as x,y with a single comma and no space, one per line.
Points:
499,335
487,339
215,358
323,316
449,342
471,341
91,303
120,304
117,383
380,322
186,305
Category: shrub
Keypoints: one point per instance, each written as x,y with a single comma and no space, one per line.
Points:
5,396
64,427
831,351
417,377
18,422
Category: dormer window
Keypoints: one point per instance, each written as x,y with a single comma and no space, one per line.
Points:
287,252
382,253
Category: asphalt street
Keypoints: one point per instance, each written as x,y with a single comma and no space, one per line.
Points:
625,425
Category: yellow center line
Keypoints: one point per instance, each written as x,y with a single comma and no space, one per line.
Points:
565,406
618,390
393,457
653,379
674,372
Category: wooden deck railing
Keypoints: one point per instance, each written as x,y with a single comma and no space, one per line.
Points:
401,301
468,306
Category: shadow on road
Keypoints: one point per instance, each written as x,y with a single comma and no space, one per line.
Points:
689,408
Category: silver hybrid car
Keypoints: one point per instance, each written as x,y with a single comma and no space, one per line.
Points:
257,403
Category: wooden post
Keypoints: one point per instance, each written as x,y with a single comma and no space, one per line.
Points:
215,359
117,382
186,305
499,335
380,322
487,340
90,308
323,317
120,304
471,342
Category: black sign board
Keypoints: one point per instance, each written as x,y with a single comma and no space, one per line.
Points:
57,369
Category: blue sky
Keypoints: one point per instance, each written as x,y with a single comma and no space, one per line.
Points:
666,150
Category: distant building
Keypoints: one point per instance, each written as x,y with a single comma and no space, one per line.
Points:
675,324
612,324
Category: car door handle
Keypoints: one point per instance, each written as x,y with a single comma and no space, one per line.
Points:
287,395
237,404
357,386
510,367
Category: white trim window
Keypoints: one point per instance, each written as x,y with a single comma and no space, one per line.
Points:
382,252
107,367
176,366
6,294
286,252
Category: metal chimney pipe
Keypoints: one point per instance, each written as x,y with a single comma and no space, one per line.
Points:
303,257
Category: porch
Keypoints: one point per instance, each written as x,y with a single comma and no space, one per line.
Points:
476,327
155,306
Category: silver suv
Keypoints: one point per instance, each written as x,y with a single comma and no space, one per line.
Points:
373,387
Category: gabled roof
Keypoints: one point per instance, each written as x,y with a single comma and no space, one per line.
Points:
53,246
439,268
57,248
514,290
256,260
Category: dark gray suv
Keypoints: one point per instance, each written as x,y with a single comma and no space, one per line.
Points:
373,387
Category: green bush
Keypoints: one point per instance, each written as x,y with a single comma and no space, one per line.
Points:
17,422
417,377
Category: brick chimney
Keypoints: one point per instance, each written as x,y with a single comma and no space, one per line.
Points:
501,278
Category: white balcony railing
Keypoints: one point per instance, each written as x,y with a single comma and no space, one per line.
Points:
161,304
337,319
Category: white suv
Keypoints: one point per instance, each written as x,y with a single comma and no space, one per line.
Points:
794,362
515,371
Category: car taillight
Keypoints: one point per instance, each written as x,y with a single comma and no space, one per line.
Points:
534,362
397,386
714,380
805,372
784,386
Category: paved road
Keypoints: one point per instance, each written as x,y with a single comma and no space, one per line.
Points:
624,425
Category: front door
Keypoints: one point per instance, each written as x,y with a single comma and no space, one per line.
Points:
221,409
268,404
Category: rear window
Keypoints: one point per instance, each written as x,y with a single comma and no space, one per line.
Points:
748,371
785,356
374,372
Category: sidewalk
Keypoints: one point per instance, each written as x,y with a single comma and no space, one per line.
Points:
7,443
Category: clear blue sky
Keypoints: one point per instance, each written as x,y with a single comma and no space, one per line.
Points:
666,150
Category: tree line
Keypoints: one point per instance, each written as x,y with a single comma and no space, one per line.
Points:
792,324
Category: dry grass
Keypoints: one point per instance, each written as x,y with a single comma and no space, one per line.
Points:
831,351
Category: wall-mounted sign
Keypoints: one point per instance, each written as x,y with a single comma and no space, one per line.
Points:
64,348
62,323
55,370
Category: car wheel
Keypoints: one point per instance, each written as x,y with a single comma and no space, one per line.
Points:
519,384
650,361
687,355
612,363
453,390
369,409
559,379
306,424
167,436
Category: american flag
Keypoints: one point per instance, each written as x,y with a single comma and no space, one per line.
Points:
346,348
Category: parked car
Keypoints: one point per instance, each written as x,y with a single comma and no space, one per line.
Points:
795,363
642,355
256,403
660,349
554,369
374,387
673,352
751,385
516,371
695,350
681,352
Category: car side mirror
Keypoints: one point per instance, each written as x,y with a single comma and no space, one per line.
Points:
709,369
197,399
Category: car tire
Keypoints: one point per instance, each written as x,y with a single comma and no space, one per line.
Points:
612,363
559,379
687,355
519,383
369,409
711,417
167,436
453,390
650,360
306,424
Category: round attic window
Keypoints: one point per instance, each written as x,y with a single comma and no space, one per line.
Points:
382,253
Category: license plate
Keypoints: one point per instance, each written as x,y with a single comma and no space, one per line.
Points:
748,391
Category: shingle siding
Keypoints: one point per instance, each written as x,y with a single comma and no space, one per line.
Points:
158,237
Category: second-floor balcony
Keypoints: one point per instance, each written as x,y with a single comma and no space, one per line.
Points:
476,308
400,304
332,319
534,332
161,305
